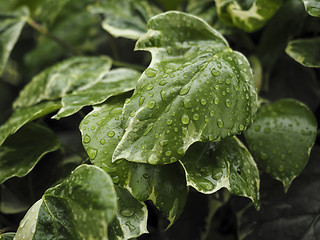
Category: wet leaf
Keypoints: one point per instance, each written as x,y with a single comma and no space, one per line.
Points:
101,133
11,24
67,76
312,7
113,83
281,138
12,164
286,216
21,116
82,207
305,51
195,89
125,18
249,20
226,164
131,217
7,236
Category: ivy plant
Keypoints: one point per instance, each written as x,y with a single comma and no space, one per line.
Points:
127,119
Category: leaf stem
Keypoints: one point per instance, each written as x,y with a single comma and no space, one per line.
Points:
129,65
46,32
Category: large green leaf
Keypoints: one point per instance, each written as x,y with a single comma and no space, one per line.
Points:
21,116
131,217
281,138
249,20
55,82
164,185
125,18
11,161
305,51
82,207
113,83
195,89
312,7
11,24
225,164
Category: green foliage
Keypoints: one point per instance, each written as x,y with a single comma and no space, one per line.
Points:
173,141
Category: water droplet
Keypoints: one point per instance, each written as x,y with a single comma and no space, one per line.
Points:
203,101
127,212
162,82
92,152
164,142
241,127
131,227
151,104
141,100
102,141
205,184
168,153
206,118
86,138
214,72
180,151
216,101
184,90
95,114
148,129
185,119
211,113
187,103
150,72
169,121
263,155
185,131
281,168
220,123
149,87
228,103
111,133
196,116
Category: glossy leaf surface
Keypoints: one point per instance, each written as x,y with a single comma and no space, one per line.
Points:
11,24
12,164
131,217
113,83
65,77
312,7
305,51
79,208
195,89
225,164
125,18
281,138
249,20
164,185
21,116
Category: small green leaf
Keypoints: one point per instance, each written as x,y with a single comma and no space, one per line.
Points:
281,138
125,18
21,116
11,24
212,166
249,20
305,51
312,7
113,83
131,217
195,89
80,208
67,76
101,133
7,236
11,161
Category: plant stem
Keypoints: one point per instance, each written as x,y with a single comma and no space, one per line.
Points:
124,64
45,31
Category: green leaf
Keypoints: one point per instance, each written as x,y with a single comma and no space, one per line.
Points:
286,216
312,7
203,9
131,217
7,236
21,116
48,10
113,83
171,4
281,138
82,207
226,164
249,20
55,82
305,51
11,161
195,89
101,133
125,18
11,24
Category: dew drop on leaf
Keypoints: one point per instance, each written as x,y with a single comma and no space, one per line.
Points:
185,119
196,117
92,152
127,212
150,72
141,100
216,101
184,90
149,87
86,138
203,101
228,103
102,141
187,103
151,104
214,72
220,123
111,133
